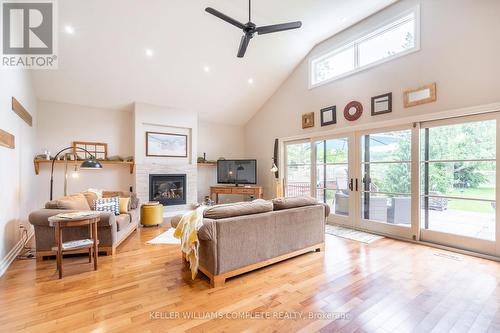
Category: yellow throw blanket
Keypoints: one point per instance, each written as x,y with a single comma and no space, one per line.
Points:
187,232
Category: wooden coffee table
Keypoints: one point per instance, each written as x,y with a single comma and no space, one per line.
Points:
91,243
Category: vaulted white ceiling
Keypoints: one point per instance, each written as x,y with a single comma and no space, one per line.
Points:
104,62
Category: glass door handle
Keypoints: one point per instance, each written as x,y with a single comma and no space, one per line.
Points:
350,184
356,184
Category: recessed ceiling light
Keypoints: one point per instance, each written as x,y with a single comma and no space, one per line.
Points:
69,30
206,69
250,81
344,19
149,52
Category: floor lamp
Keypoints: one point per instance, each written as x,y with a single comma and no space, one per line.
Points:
90,163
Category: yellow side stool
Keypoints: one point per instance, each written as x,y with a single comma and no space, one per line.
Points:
151,215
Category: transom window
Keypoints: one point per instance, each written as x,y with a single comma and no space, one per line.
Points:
395,39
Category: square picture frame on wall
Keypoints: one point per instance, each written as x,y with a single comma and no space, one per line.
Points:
329,115
382,104
307,120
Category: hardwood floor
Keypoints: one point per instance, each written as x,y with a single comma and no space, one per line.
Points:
386,286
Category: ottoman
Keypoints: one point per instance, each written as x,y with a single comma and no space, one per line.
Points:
151,215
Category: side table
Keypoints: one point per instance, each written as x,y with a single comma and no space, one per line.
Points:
61,223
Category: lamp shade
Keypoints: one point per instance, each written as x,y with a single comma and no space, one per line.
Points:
91,164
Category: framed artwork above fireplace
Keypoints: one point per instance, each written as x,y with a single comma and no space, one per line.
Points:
166,144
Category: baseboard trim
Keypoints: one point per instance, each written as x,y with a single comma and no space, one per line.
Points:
14,252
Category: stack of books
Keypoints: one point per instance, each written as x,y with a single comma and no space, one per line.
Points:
77,244
75,215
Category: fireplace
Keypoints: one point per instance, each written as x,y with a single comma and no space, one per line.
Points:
168,189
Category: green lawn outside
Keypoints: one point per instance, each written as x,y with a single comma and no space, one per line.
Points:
469,205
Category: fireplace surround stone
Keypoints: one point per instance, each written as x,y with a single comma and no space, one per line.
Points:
142,176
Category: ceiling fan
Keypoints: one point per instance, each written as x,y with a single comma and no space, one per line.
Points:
250,28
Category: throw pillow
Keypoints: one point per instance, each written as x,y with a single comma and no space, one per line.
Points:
108,205
134,201
96,191
238,209
293,202
90,196
73,202
124,205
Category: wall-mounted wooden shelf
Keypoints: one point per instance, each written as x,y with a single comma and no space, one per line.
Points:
206,164
103,162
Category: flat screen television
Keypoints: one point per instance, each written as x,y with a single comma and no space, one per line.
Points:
237,172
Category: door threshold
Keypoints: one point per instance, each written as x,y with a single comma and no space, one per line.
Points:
438,246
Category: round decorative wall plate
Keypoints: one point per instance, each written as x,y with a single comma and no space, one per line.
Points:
353,111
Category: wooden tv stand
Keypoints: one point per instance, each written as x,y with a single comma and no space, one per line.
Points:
256,191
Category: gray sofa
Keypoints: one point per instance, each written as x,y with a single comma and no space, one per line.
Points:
237,238
111,230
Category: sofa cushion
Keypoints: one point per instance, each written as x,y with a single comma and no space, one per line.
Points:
134,216
110,194
238,209
174,221
293,202
73,202
90,196
40,217
134,201
122,221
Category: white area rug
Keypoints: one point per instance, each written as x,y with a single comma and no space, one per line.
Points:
165,238
352,234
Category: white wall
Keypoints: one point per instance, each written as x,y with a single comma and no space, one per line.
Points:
17,176
218,140
60,124
162,119
149,117
458,51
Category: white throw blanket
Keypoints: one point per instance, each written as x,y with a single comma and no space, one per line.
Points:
187,232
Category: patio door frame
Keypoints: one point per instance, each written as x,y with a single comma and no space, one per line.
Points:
484,246
415,232
394,230
354,219
350,219
285,164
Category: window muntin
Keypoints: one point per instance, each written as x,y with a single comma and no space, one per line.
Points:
393,40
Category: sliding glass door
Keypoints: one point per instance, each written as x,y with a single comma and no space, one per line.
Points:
458,182
432,181
298,168
385,181
332,180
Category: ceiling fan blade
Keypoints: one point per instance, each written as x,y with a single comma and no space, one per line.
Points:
243,45
225,17
267,29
